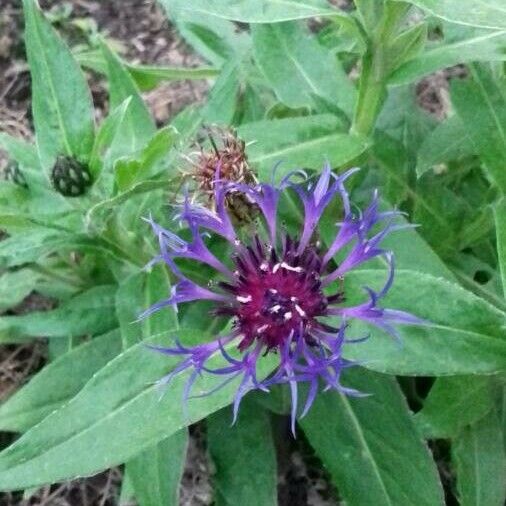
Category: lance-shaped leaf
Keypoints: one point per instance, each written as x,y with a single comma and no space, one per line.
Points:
500,226
299,142
15,286
88,313
61,100
215,39
481,104
453,403
448,141
137,126
487,13
244,456
480,461
372,441
119,413
476,45
156,472
298,68
257,11
464,334
57,383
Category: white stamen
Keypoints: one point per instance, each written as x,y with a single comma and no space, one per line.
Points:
290,268
273,290
237,242
244,300
275,309
264,266
287,315
300,311
293,299
263,328
276,268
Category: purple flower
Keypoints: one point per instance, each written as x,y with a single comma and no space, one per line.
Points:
281,288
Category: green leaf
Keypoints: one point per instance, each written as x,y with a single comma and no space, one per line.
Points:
306,142
129,171
138,126
19,150
477,45
406,46
222,103
15,286
453,403
297,67
156,472
480,460
57,383
149,77
441,214
481,105
118,414
61,100
257,11
146,77
215,39
412,252
464,334
370,13
485,13
105,137
500,226
20,249
244,456
448,141
88,313
137,189
370,445
136,294
127,491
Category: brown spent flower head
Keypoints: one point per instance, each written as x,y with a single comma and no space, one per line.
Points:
226,153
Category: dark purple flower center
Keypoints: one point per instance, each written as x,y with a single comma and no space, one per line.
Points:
277,296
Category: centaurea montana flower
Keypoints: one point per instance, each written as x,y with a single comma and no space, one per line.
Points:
276,293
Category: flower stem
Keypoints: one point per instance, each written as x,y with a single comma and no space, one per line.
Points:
375,69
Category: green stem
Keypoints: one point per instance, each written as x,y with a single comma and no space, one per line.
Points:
371,95
375,68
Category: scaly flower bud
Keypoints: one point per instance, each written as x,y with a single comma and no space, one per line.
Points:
70,177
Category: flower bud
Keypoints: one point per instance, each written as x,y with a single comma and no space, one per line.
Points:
13,173
70,177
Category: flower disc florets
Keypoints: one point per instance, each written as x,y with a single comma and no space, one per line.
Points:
276,295
284,294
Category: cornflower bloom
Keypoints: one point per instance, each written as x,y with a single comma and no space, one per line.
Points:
279,291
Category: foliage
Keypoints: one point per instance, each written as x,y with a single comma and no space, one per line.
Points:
341,90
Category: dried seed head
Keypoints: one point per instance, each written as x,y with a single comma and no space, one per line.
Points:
70,177
224,152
